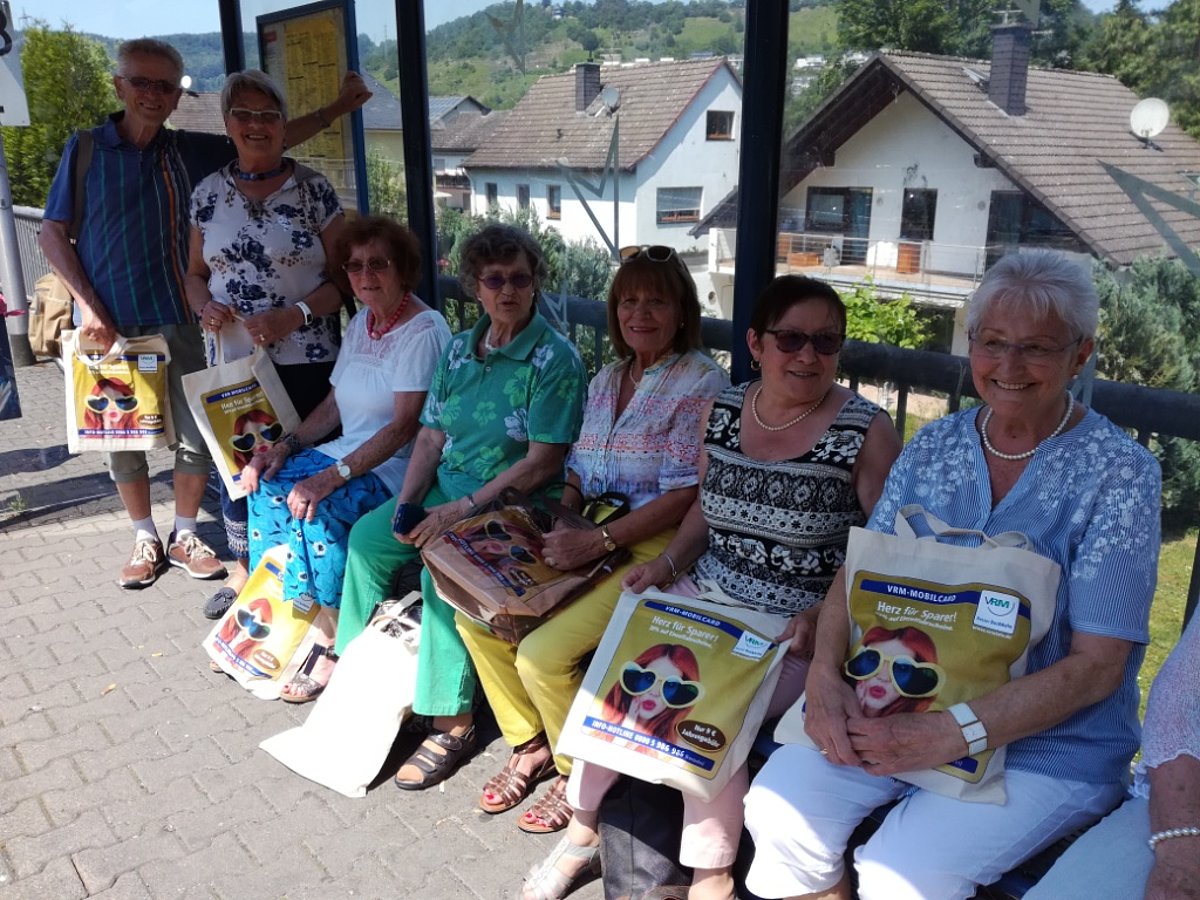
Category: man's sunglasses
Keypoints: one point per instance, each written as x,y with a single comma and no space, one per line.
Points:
266,116
912,679
244,443
823,342
520,281
100,404
676,692
250,624
375,264
146,85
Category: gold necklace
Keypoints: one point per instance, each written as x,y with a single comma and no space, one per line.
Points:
786,425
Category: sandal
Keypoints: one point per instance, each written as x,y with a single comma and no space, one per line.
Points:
303,688
508,787
547,882
437,767
552,812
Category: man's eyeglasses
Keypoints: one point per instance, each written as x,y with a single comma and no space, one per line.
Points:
823,342
266,116
652,252
147,85
676,692
520,281
100,403
244,443
994,348
911,678
375,264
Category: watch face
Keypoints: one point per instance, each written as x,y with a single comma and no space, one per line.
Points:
343,470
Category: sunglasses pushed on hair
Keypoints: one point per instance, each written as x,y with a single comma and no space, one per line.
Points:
824,342
100,403
676,692
912,679
244,443
653,252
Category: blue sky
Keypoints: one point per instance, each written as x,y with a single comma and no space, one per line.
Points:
134,18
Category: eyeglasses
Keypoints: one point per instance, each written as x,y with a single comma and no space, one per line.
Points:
250,624
100,404
520,281
244,443
823,342
266,116
147,85
375,264
676,692
994,348
912,678
652,252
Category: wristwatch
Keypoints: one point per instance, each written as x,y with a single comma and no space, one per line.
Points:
973,731
343,469
307,310
609,544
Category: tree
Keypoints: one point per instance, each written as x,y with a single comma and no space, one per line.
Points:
67,86
880,320
385,187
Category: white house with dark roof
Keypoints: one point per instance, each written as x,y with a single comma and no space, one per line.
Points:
677,150
921,170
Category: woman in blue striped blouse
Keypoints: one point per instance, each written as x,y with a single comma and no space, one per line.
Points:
1032,460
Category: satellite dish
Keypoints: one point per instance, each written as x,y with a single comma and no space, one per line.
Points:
610,97
1149,118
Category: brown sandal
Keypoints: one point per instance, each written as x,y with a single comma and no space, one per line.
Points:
552,812
509,787
437,767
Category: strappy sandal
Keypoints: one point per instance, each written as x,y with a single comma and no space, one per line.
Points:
303,688
509,787
437,767
552,812
546,882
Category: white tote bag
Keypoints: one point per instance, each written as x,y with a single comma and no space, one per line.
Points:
354,722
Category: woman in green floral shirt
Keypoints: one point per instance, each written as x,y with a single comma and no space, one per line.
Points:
504,407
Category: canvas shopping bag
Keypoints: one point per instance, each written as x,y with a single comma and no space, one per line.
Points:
346,738
676,691
240,407
49,315
262,640
117,398
934,624
490,565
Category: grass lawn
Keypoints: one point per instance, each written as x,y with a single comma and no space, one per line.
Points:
1166,616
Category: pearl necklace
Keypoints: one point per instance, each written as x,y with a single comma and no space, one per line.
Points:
1013,457
376,334
487,342
786,425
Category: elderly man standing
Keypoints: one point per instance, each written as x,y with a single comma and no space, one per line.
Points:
126,272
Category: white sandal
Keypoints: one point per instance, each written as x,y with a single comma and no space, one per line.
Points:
546,881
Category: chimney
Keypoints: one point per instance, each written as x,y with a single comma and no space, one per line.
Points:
1010,67
587,84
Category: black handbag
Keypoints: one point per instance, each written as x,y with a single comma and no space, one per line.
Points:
640,828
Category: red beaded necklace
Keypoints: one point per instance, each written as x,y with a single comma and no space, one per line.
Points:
387,326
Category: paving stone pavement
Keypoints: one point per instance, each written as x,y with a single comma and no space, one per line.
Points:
156,788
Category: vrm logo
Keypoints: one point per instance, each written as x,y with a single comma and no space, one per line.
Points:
997,612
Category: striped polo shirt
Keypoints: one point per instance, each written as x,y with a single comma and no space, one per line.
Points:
133,240
1088,499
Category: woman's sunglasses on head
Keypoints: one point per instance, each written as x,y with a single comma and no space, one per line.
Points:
100,404
912,679
653,252
520,281
268,435
266,116
825,343
676,692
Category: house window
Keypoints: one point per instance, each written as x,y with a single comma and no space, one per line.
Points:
553,201
719,126
492,193
827,210
439,163
917,214
1016,219
841,210
523,196
681,204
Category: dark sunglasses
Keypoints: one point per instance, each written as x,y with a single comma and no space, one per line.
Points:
251,625
100,403
375,264
652,252
520,281
912,678
266,116
245,442
823,342
145,85
676,692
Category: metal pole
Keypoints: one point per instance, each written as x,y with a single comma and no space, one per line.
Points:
11,276
231,36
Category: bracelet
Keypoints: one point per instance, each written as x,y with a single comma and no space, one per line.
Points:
320,114
1185,831
973,730
670,562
